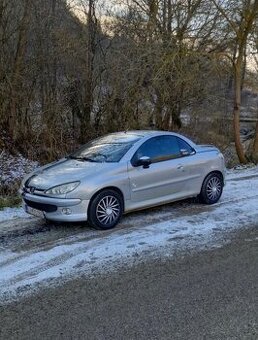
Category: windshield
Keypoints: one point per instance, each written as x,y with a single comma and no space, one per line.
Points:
103,150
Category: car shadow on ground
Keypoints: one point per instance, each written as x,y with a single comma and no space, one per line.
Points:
153,214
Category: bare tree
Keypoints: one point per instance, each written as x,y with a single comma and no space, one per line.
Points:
241,25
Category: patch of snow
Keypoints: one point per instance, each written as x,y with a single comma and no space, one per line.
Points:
241,171
11,213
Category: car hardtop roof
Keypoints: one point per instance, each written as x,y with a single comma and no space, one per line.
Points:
142,133
135,135
153,133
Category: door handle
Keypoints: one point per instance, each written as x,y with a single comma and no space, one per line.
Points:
180,167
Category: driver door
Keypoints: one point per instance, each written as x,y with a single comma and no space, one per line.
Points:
164,176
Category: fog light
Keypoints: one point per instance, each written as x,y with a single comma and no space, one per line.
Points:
66,211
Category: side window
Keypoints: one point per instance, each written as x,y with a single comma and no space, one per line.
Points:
159,149
170,147
184,145
151,148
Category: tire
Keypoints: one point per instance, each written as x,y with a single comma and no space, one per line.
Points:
105,210
212,188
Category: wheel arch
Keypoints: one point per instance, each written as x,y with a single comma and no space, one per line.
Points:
119,191
218,172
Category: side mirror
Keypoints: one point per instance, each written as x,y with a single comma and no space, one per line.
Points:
184,152
144,161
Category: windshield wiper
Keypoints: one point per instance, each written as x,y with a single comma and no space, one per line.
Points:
87,159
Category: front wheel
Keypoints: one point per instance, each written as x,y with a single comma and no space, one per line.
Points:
212,188
105,210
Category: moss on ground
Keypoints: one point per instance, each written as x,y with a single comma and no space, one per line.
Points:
9,201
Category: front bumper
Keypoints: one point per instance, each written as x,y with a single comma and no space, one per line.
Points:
58,209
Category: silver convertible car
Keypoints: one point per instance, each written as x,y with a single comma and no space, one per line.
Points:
122,172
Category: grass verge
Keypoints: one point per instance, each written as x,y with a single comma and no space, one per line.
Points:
9,201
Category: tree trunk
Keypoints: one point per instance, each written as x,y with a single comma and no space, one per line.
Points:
89,68
236,110
158,110
255,146
16,74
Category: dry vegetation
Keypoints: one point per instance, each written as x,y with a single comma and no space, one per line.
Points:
172,64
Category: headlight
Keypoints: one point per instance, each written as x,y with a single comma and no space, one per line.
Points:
62,189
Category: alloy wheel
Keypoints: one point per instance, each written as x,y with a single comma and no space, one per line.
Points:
108,210
214,188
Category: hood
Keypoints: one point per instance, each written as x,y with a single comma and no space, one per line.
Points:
65,171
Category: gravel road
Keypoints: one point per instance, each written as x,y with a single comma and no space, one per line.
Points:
212,294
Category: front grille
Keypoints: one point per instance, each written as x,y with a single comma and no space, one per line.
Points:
41,206
32,190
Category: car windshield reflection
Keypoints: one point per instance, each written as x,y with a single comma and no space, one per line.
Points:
101,153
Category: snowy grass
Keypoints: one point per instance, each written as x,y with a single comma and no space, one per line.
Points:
12,171
7,214
9,201
241,171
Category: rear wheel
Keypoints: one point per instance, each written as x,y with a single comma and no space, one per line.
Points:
105,210
212,188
